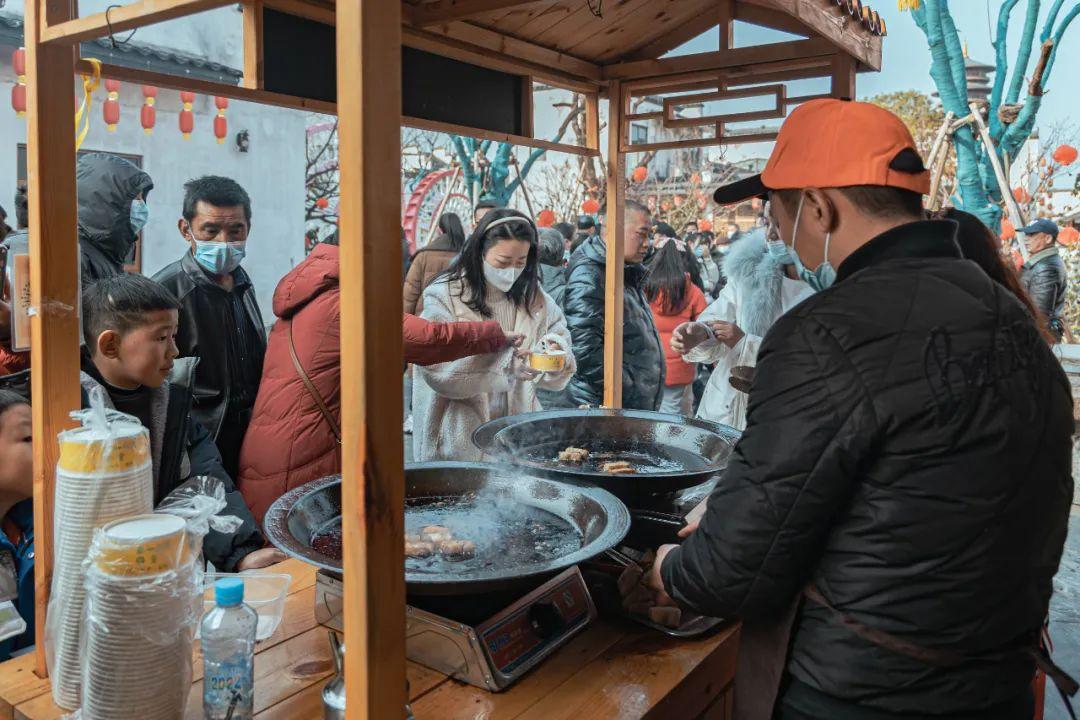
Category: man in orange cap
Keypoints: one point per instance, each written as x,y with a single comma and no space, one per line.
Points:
890,521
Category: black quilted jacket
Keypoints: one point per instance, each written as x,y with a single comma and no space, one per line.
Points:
908,453
1045,281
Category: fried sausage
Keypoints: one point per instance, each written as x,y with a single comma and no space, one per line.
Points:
419,549
457,549
436,533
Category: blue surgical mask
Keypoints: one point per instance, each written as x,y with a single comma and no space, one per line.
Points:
824,276
219,258
699,251
140,215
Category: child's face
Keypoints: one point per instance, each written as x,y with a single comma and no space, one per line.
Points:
144,356
16,454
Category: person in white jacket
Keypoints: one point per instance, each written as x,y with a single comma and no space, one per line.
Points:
761,286
494,278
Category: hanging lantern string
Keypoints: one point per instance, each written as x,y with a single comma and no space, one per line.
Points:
82,117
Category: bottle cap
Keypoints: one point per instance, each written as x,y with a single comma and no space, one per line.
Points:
229,591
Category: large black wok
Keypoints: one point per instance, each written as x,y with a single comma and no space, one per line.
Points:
525,527
668,452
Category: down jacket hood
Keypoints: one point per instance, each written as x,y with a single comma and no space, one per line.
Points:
757,276
307,281
107,184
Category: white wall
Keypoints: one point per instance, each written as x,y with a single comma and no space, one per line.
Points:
272,172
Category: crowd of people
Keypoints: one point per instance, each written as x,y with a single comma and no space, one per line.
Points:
904,419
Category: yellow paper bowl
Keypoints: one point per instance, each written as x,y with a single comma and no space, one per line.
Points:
547,362
142,545
86,456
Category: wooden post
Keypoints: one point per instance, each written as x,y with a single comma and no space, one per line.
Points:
527,105
253,44
843,76
592,120
613,238
54,273
369,147
726,9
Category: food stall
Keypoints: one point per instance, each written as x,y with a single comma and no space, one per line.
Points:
378,66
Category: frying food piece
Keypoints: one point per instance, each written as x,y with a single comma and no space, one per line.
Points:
667,616
419,549
574,455
457,549
436,533
618,467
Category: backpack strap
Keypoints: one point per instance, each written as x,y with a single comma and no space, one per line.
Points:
319,402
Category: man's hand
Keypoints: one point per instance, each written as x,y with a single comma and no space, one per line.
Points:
688,336
727,332
654,581
519,367
260,559
693,518
514,339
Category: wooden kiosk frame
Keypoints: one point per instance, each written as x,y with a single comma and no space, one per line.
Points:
613,52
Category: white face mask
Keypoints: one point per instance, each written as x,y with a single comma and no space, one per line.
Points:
501,278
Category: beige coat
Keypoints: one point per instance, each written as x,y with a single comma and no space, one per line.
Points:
451,400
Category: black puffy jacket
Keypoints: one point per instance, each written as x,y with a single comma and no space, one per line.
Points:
908,454
643,355
107,184
1044,277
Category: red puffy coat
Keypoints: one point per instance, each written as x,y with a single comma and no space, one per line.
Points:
288,443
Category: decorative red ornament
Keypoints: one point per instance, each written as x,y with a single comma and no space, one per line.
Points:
590,206
704,225
1068,236
1065,154
110,109
665,206
148,115
695,178
187,118
221,125
322,203
1008,230
546,218
18,90
640,173
1021,195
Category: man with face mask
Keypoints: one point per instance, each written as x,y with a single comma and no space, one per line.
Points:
890,522
220,321
112,212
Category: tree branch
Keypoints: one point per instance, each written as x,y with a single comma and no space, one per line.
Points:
1057,39
1024,56
537,153
1048,27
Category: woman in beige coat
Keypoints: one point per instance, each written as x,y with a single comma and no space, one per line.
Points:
431,260
494,278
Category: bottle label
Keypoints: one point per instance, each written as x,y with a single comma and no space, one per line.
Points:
225,685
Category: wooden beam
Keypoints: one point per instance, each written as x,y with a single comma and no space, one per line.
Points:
592,121
436,126
125,17
253,44
207,87
828,21
527,105
316,10
726,14
372,452
843,77
769,18
732,139
799,69
614,226
54,275
442,11
682,33
488,46
720,59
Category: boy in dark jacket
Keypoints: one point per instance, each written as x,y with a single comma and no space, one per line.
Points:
129,325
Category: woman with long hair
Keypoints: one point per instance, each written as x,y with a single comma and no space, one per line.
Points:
431,260
674,299
495,277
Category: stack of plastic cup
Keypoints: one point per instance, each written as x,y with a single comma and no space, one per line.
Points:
102,475
144,596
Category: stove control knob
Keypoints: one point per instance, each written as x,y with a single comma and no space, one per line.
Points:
546,620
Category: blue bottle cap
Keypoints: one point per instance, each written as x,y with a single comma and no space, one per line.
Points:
229,591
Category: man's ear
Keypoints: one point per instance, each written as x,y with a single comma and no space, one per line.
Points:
820,209
108,344
185,229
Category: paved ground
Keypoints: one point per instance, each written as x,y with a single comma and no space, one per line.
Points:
1065,618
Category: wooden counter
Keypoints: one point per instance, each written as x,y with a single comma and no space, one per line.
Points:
613,669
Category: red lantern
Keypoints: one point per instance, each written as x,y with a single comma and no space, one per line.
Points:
1021,196
1008,230
590,206
110,109
322,203
221,125
640,173
18,90
148,116
546,218
187,118
705,225
1065,154
1068,236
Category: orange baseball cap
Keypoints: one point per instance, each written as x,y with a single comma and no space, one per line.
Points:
832,143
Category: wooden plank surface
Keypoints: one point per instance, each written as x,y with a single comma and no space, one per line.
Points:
613,237
719,59
372,451
54,275
253,44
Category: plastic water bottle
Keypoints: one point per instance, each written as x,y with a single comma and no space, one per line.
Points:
228,647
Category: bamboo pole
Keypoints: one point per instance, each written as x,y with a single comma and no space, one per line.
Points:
54,275
942,133
524,190
372,453
613,236
999,173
